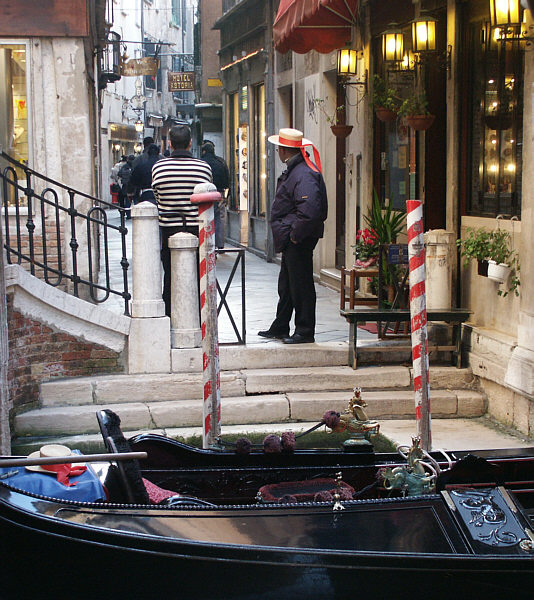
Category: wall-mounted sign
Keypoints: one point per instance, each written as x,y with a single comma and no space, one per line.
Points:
139,66
215,82
182,81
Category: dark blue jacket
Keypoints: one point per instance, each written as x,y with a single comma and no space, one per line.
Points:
300,205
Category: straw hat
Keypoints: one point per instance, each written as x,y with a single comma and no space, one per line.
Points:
50,451
290,138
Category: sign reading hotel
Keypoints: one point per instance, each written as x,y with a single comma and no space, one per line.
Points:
182,81
243,167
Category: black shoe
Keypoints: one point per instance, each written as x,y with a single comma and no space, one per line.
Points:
271,335
297,338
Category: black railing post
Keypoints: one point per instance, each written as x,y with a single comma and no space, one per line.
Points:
73,243
124,262
30,225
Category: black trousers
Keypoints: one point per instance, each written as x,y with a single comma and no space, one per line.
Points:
296,290
166,233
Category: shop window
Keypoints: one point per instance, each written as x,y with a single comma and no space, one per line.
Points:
496,108
232,150
14,103
260,153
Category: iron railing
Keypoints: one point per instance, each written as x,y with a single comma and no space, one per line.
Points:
45,252
223,294
57,209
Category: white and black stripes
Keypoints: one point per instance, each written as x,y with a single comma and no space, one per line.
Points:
173,182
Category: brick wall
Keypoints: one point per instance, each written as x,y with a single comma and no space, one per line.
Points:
39,353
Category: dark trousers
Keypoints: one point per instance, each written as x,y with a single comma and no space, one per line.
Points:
296,290
166,233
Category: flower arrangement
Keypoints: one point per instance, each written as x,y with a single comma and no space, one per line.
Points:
366,248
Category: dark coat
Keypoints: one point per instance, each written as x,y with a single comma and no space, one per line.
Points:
221,175
141,178
300,205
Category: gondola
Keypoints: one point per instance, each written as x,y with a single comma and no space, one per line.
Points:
312,524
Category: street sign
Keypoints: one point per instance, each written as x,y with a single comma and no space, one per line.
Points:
182,81
139,66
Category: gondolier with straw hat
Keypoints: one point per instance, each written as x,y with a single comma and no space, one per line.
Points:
298,213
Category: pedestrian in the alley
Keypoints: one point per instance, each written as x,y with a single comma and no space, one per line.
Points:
116,187
221,179
297,220
173,182
141,177
127,189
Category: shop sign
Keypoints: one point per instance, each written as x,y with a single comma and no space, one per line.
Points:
139,66
182,81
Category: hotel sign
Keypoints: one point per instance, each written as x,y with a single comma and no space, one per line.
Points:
182,81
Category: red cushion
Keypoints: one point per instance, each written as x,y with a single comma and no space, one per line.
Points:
155,493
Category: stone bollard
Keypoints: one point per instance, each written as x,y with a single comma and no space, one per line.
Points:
185,312
149,344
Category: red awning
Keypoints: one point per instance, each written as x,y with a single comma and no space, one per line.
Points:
322,25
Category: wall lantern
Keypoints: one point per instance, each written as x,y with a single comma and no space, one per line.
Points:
424,34
504,13
139,126
392,45
347,62
408,61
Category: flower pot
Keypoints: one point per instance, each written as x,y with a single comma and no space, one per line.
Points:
420,122
498,271
385,114
365,264
341,131
482,268
499,121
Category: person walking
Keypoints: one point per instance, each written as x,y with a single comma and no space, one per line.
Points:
141,178
221,179
173,182
127,189
298,213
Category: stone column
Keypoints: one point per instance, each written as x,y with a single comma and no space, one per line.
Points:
149,344
185,312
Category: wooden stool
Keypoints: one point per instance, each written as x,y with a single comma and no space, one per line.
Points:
354,274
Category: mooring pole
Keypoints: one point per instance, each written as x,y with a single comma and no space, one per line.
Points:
416,253
205,195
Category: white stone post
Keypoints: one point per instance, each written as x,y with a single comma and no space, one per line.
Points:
185,312
149,344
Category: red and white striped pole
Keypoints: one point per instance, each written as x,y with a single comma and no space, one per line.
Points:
205,195
416,253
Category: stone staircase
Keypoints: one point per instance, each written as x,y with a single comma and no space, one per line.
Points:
281,395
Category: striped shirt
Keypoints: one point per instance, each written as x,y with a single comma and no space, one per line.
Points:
173,182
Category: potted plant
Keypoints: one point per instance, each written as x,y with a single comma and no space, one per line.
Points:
385,100
338,128
415,111
495,248
387,224
366,249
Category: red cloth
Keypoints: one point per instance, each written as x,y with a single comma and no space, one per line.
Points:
63,472
322,25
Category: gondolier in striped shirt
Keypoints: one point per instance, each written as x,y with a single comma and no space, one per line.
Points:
173,182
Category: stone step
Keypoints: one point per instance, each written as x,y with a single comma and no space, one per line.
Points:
244,410
118,389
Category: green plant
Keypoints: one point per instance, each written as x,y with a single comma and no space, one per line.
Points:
385,222
384,96
366,246
475,245
414,105
481,244
332,118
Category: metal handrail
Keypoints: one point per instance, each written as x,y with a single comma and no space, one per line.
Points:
64,218
240,259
